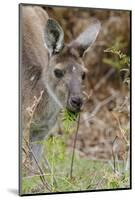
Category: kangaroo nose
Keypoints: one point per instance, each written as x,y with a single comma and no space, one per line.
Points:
76,102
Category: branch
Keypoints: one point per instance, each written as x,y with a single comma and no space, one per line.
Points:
75,139
100,105
40,169
99,84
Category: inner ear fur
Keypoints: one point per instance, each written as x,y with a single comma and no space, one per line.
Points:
54,36
86,38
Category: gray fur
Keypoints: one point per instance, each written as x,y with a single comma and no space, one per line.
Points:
38,73
54,37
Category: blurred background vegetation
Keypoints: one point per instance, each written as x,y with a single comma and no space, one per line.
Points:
102,152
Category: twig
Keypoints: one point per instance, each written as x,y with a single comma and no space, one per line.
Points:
127,161
37,175
113,155
73,153
101,104
121,129
40,169
31,111
49,168
99,183
99,84
103,79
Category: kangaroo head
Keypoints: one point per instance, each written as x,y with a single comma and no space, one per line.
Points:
66,72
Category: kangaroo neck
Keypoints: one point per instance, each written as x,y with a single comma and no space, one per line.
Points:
54,105
53,99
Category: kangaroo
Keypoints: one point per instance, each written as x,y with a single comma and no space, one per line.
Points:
53,67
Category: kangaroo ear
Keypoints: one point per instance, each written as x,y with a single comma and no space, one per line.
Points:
54,37
87,38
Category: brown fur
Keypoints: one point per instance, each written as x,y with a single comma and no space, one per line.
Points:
43,53
34,55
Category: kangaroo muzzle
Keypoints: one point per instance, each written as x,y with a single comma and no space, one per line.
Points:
75,94
75,103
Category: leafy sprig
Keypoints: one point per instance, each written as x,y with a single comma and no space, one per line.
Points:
68,119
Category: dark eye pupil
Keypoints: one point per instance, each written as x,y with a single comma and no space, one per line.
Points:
58,73
83,76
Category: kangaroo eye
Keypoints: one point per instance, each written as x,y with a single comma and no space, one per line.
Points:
59,73
83,76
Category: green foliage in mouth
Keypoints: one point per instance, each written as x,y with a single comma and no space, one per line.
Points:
68,119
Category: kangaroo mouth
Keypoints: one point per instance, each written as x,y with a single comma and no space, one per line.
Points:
72,108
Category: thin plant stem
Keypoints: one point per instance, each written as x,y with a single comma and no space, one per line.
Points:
40,169
52,168
73,153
